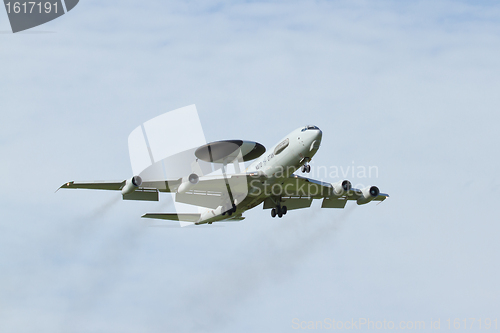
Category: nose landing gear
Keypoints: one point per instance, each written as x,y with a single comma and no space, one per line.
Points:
306,167
280,211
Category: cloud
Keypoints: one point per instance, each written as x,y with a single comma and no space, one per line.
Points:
266,260
409,87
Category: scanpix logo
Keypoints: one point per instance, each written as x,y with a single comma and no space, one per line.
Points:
25,15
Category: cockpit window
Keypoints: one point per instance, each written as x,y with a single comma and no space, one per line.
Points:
309,127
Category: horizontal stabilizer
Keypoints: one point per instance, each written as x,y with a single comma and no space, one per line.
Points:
186,217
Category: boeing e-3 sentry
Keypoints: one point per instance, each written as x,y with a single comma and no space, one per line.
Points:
226,193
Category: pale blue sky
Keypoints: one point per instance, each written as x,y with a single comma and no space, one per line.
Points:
411,88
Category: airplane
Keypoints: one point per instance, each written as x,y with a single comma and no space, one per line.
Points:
270,179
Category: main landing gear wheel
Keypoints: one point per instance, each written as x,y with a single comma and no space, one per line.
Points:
280,211
306,168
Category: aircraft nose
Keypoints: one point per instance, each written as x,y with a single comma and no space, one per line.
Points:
319,135
315,136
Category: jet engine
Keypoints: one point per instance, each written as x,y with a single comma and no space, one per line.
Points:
341,187
131,185
188,182
368,194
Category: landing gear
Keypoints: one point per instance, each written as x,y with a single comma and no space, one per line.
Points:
280,211
306,168
230,211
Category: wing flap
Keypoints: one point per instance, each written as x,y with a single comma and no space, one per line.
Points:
162,185
296,203
143,194
334,202
200,198
217,183
290,203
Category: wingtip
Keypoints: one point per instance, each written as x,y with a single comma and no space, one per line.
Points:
64,185
385,197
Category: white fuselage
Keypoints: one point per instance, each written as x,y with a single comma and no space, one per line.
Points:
289,154
279,162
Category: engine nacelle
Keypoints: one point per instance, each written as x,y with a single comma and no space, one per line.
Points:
368,194
188,183
342,187
131,185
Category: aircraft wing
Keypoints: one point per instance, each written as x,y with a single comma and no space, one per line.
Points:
307,187
217,183
298,192
212,191
98,185
143,193
162,186
206,183
297,186
209,192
